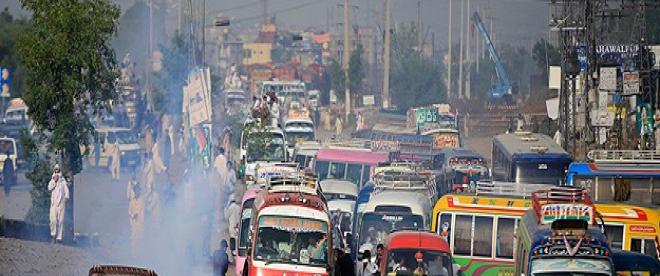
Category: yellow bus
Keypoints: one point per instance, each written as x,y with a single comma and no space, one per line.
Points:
631,227
481,229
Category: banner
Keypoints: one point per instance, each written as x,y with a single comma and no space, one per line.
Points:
630,83
198,99
607,80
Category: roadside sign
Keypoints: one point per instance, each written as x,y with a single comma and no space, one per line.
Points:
607,79
630,83
5,73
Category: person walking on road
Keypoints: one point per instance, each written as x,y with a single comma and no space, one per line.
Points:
338,127
148,140
233,218
221,260
8,174
59,194
115,165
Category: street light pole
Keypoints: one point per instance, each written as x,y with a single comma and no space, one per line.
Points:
386,58
346,59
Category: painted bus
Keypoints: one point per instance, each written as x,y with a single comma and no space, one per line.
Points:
304,153
291,231
275,151
286,91
526,157
560,236
244,227
619,175
409,252
353,164
460,167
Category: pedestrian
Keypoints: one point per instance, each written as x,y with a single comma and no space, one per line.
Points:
148,140
338,127
115,164
233,218
8,174
158,163
166,149
135,214
226,142
170,133
59,194
345,265
97,150
221,260
230,180
358,122
368,267
520,124
220,163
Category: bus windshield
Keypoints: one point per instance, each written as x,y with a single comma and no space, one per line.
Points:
433,263
570,267
246,217
376,226
292,240
274,151
122,137
296,137
540,172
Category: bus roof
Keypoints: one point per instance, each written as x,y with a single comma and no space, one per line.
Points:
294,211
629,213
417,202
337,186
265,199
407,239
460,152
351,156
614,170
343,205
528,143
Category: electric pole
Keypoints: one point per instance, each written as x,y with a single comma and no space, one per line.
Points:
449,63
419,25
346,58
386,58
265,11
468,36
460,53
149,68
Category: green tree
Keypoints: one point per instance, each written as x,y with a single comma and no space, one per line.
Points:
415,79
545,54
10,28
338,79
39,173
356,69
169,82
71,74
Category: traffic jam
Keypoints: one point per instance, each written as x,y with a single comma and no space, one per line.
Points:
409,199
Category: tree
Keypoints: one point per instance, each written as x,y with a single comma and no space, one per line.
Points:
545,54
169,82
415,79
10,28
39,173
338,79
356,70
71,75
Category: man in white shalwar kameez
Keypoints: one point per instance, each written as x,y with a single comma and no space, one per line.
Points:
233,217
59,194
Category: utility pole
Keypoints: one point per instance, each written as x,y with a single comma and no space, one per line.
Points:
149,68
477,42
386,58
203,21
468,36
346,58
460,53
265,11
419,25
449,63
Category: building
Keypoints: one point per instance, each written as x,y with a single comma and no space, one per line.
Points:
260,51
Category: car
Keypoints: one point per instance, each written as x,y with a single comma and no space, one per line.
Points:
131,151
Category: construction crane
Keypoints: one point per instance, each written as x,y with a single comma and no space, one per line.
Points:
501,89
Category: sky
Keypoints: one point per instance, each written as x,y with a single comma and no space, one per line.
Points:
518,22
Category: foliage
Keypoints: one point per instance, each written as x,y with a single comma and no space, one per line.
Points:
169,82
38,173
415,79
71,70
10,28
356,69
543,49
258,137
337,79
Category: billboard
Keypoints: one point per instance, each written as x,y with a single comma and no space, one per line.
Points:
630,83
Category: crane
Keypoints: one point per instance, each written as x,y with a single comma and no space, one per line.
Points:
500,91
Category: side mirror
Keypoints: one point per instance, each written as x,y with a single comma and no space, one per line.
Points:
232,244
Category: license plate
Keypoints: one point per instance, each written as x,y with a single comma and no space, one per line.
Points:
543,166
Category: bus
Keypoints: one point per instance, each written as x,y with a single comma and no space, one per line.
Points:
629,263
526,157
630,227
619,175
353,164
304,153
406,252
559,236
291,231
298,130
243,228
286,91
274,152
461,167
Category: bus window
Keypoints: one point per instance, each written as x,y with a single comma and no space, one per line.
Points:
321,168
366,172
644,246
444,227
483,236
462,235
354,173
337,171
614,235
506,228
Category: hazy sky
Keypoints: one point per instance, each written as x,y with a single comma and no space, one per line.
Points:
516,21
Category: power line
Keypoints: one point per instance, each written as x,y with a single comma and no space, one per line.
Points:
292,8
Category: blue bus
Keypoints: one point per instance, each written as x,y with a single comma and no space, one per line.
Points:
525,157
459,167
559,236
621,175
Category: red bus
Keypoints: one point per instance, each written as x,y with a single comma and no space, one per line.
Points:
410,252
291,231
